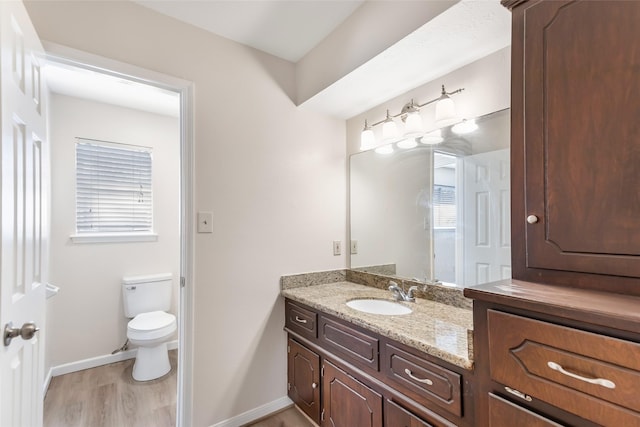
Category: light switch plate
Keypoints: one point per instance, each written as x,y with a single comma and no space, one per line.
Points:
205,222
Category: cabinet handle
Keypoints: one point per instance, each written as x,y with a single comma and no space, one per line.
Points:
598,381
532,219
299,320
518,393
426,381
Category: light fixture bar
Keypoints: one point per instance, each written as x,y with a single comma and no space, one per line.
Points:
411,108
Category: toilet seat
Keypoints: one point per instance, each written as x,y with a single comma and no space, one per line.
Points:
151,326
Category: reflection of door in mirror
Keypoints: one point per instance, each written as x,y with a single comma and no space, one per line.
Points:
435,211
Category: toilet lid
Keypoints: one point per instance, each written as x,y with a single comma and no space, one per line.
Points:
152,321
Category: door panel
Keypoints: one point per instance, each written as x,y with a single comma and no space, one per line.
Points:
23,205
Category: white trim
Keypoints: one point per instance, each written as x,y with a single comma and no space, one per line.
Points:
94,362
113,237
256,413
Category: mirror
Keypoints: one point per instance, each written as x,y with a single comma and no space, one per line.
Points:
435,212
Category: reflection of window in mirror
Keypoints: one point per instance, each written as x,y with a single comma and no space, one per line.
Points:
444,216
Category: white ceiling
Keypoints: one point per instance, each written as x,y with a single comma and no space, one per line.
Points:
286,29
462,34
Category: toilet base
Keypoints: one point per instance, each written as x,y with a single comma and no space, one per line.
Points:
151,363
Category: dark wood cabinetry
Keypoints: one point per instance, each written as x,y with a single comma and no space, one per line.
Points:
576,143
303,379
367,379
347,402
396,416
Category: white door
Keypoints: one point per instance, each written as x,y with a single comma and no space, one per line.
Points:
23,206
487,218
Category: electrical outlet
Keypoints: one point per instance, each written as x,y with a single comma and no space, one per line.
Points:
354,247
337,247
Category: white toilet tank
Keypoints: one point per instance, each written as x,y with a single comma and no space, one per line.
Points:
142,294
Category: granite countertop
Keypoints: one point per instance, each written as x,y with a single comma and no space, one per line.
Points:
437,329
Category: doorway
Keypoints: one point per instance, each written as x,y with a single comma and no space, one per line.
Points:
139,108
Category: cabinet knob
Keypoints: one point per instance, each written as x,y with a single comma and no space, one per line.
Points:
314,385
532,219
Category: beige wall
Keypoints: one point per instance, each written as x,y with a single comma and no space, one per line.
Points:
89,274
273,175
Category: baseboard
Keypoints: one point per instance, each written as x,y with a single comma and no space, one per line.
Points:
94,362
256,413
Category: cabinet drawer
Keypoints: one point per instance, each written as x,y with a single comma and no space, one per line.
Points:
301,320
503,413
422,380
587,374
396,416
349,343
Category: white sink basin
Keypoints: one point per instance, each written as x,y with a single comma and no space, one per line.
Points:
379,306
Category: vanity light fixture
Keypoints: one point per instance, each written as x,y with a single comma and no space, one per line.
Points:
465,126
410,115
432,138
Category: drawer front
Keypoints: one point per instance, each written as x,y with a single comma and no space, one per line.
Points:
422,380
301,320
503,413
587,374
352,345
395,416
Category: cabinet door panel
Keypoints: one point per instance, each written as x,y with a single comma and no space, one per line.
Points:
503,413
395,416
304,379
347,402
580,133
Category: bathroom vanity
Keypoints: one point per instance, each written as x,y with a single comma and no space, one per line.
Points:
349,368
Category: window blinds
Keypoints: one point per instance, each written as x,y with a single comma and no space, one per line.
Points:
113,188
444,206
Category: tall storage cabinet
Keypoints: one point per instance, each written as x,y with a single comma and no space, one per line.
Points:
559,344
576,143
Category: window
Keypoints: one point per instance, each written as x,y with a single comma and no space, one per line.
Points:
113,189
444,206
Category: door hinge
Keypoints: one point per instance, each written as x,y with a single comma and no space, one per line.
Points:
322,415
288,386
183,282
322,371
288,349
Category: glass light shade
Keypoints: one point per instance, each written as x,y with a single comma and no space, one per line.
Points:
434,137
413,124
466,126
384,149
445,112
367,139
407,143
389,129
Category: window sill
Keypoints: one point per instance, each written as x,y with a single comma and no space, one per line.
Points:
114,237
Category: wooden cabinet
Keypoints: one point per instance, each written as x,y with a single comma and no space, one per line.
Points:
397,416
361,370
347,402
590,375
575,143
503,413
423,381
567,356
303,379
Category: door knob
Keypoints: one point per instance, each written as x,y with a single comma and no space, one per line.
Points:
27,332
532,219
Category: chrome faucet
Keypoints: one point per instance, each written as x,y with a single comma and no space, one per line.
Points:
399,293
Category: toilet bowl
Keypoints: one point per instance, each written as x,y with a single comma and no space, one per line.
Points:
150,332
146,302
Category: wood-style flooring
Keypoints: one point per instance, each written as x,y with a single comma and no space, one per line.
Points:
107,396
291,417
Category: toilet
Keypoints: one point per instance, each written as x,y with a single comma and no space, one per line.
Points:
146,301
